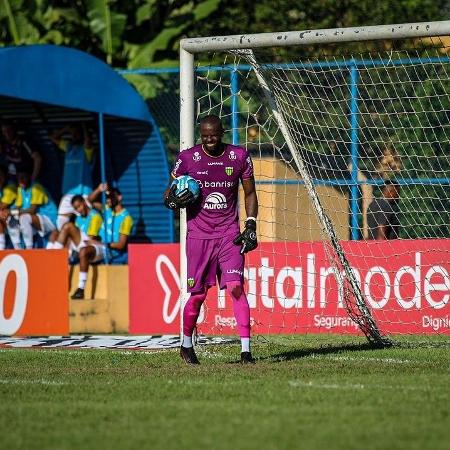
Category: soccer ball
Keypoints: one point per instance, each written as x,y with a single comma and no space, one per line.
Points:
186,182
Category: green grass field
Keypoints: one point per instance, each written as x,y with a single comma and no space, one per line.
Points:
304,392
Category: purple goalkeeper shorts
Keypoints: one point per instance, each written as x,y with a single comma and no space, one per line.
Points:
211,258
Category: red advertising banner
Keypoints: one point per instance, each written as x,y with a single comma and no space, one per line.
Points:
33,292
292,288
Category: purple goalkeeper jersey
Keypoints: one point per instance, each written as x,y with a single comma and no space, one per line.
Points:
216,211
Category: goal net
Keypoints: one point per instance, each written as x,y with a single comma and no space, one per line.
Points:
351,153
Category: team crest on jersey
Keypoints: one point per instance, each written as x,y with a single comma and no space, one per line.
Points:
228,170
190,282
196,157
232,155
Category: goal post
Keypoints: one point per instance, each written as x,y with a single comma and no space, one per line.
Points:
302,105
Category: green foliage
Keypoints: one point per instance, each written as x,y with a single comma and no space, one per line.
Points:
246,16
106,24
17,15
140,33
124,34
176,22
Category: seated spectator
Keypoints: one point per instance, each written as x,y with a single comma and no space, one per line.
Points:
86,227
8,192
37,212
117,225
19,152
77,172
382,214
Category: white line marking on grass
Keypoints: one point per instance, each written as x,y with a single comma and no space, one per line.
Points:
350,358
211,355
146,352
310,384
359,387
85,351
45,382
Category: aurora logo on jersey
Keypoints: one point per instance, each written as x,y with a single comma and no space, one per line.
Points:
228,170
190,282
215,200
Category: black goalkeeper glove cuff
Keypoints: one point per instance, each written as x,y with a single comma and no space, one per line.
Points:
181,200
247,238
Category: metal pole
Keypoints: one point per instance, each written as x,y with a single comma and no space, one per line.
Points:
234,84
101,132
187,123
354,192
324,36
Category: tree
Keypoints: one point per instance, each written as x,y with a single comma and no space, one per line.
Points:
130,34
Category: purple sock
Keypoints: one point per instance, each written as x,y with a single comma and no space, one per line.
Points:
240,308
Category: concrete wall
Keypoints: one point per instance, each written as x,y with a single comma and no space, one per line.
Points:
286,212
105,308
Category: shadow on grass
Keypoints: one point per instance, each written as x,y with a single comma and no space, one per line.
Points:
290,355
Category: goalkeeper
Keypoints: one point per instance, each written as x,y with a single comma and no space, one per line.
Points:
215,246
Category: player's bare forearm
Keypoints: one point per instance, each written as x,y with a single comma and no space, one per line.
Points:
250,197
121,244
93,197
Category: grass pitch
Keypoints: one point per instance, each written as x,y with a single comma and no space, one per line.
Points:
305,392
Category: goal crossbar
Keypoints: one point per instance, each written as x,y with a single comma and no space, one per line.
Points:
324,36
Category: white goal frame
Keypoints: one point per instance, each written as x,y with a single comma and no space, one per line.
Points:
189,47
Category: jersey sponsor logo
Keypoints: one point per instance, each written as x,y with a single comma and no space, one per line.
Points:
228,170
196,157
232,155
216,184
249,161
177,165
204,172
239,272
215,201
215,163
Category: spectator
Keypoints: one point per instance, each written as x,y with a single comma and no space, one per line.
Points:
77,172
37,211
115,233
8,192
19,152
86,227
382,214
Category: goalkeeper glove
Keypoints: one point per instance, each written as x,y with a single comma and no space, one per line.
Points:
247,238
181,200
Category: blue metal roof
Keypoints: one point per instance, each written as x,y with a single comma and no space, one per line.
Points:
68,77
